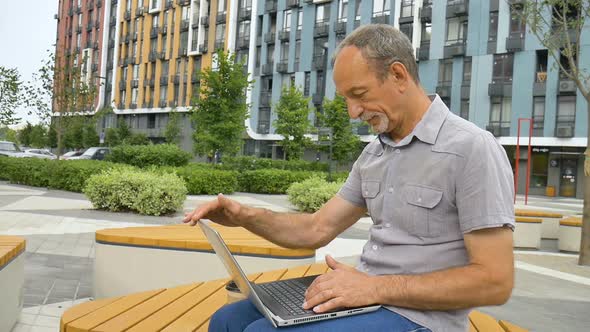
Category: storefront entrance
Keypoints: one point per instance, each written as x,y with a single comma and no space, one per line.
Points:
568,178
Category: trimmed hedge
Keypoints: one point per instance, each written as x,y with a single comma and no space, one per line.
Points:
133,190
147,155
272,181
70,175
205,181
247,163
309,195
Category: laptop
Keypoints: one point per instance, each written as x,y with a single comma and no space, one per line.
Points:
279,301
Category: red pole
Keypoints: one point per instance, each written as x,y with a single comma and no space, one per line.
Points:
517,161
528,164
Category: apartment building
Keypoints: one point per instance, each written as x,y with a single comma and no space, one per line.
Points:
475,55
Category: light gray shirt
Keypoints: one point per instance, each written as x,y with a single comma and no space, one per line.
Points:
446,178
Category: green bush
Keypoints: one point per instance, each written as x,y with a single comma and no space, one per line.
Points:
203,181
309,195
126,189
272,181
27,171
247,163
147,155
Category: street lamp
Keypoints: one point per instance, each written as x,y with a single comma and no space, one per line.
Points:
325,135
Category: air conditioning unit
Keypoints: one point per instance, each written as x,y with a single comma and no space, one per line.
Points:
494,129
567,86
564,131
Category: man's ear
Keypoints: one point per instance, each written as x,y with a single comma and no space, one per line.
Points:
399,75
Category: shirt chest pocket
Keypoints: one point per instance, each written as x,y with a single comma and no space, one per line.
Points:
421,215
370,192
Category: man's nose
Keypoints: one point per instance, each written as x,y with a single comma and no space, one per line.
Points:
354,110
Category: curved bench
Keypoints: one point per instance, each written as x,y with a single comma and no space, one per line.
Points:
189,307
141,258
527,233
550,225
570,234
12,277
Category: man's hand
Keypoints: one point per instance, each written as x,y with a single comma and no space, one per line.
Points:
342,287
222,210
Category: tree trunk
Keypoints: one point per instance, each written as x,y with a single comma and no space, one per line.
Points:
585,244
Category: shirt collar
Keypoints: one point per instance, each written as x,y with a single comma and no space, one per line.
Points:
427,129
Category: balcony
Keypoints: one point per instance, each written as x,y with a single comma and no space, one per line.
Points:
184,25
244,14
89,26
443,89
153,56
122,85
162,55
95,45
564,126
267,68
220,18
219,44
270,7
79,29
163,103
148,82
168,4
205,20
284,35
134,83
269,37
498,128
566,86
265,97
515,42
540,85
140,11
321,29
163,30
319,61
182,52
457,8
340,27
98,3
203,48
195,78
317,98
183,2
500,87
423,51
454,47
263,127
381,19
154,32
426,14
176,79
127,15
243,42
164,80
282,66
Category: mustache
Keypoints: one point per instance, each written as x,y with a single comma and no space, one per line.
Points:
368,115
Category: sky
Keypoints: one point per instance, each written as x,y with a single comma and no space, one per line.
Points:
27,31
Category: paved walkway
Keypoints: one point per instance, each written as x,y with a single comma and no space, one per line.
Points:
552,293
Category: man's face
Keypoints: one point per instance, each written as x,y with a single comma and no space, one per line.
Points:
367,98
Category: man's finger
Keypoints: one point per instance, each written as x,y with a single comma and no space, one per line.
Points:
333,264
323,296
333,304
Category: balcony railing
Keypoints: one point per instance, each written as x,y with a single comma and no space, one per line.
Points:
282,66
269,37
270,6
457,8
321,29
319,61
267,68
284,34
263,127
265,97
244,14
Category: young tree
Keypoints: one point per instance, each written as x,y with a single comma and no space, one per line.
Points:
123,131
90,136
220,109
10,95
292,122
345,144
558,25
7,134
38,136
24,135
173,131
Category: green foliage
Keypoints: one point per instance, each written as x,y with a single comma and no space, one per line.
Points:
292,122
52,137
345,145
247,163
111,137
11,96
140,191
7,134
24,135
173,131
27,171
123,131
137,139
202,181
73,137
90,136
147,155
221,109
309,195
272,181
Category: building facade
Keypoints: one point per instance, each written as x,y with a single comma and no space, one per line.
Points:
475,54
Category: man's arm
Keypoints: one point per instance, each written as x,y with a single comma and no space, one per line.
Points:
290,230
487,280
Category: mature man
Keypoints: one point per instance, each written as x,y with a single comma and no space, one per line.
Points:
438,188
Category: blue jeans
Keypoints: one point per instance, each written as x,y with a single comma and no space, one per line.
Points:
243,316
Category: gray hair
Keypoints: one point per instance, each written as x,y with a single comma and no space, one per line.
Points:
382,45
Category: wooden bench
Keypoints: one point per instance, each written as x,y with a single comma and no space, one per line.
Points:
550,225
12,277
570,234
137,259
527,233
189,307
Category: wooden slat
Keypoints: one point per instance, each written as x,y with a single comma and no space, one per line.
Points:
83,309
528,220
144,310
173,311
472,328
317,268
537,213
199,314
271,276
509,327
484,323
295,272
99,316
10,247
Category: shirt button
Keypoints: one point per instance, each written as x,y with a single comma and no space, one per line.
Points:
419,199
387,225
390,190
375,247
397,151
366,193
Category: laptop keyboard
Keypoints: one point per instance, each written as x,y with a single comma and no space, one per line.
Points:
290,294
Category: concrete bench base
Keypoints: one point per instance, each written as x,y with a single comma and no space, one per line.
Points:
120,270
527,233
550,228
570,234
12,277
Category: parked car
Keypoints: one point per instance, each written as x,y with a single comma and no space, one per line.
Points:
10,149
72,154
95,153
40,153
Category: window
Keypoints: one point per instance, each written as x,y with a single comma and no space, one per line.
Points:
502,70
244,30
381,7
221,7
165,67
407,8
493,32
151,121
517,25
501,109
540,162
299,19
164,43
445,72
287,20
464,109
343,10
134,96
155,4
406,28
297,51
426,33
466,70
135,72
538,115
163,93
285,51
306,83
541,65
155,20
566,110
322,13
220,33
357,13
456,31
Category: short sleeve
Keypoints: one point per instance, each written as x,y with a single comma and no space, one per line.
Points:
351,190
485,188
